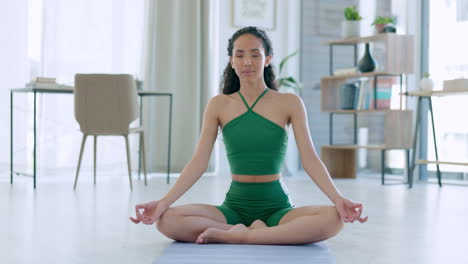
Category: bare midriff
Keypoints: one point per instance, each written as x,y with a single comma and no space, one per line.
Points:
255,178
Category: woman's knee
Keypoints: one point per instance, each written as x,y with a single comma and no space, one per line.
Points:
168,221
335,223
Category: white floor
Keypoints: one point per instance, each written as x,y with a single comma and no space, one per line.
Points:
54,224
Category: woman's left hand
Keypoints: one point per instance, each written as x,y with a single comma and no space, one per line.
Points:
349,210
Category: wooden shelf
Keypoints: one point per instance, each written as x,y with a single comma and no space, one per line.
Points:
356,40
434,93
360,111
441,162
358,75
371,147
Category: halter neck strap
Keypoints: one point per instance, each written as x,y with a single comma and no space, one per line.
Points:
258,98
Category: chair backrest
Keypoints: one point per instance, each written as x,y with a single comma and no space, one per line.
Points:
105,104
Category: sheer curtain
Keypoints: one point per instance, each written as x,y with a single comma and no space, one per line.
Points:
83,36
13,69
179,57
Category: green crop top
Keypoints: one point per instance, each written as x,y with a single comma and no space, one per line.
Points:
254,144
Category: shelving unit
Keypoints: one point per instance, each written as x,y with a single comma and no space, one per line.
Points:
340,160
428,96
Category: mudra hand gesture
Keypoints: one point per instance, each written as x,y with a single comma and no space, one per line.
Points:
349,210
151,212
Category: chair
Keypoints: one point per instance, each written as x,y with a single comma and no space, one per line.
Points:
105,105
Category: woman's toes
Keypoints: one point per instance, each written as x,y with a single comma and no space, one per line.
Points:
238,227
257,224
208,236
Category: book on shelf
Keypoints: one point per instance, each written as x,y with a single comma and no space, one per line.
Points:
345,71
43,80
46,83
365,93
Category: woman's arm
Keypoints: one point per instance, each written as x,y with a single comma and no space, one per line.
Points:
310,161
199,162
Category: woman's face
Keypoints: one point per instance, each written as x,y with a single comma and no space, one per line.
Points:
248,57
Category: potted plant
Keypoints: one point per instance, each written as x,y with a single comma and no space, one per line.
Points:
288,81
383,24
350,27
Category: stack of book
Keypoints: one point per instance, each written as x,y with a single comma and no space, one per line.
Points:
42,82
365,93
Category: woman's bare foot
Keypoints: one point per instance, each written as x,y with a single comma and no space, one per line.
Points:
234,235
257,224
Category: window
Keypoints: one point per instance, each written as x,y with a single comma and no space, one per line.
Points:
448,59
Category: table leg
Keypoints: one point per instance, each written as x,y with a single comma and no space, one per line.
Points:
382,161
415,138
139,140
169,143
409,176
11,137
34,158
435,142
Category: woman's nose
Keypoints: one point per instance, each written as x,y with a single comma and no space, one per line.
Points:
247,62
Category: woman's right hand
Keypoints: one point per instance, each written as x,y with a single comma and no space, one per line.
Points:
151,212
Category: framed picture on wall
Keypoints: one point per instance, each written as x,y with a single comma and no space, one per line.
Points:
258,13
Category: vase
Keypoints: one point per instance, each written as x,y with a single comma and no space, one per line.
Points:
366,64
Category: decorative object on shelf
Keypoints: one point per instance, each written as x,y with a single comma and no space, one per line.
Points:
348,93
389,29
287,82
350,27
382,22
139,84
426,83
366,64
456,85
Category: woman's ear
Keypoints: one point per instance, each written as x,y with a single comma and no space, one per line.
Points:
230,61
268,60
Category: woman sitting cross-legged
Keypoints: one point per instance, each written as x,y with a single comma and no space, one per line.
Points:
254,119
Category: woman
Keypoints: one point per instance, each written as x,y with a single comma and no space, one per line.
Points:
256,209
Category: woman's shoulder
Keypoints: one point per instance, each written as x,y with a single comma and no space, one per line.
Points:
288,99
220,99
218,102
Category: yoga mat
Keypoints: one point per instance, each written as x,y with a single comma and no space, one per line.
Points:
187,253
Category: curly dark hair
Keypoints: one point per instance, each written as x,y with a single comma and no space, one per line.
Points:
230,81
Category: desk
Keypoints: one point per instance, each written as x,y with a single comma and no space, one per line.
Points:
428,96
69,90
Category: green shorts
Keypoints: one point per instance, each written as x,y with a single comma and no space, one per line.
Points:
248,201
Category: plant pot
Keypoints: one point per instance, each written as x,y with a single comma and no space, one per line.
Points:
350,28
379,28
426,84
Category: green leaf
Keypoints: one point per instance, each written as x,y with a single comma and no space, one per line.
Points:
289,82
352,14
285,60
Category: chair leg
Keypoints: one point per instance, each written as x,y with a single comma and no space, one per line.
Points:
83,141
128,161
143,154
95,145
